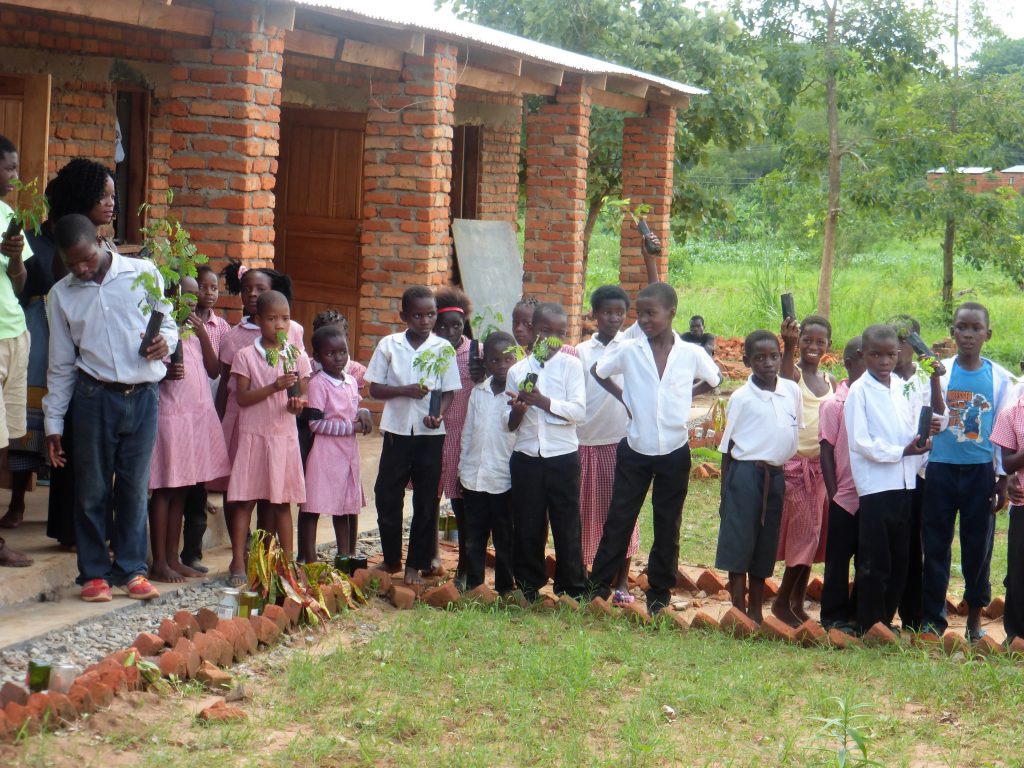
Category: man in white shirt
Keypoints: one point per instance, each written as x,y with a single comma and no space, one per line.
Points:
546,401
660,374
881,431
405,367
96,323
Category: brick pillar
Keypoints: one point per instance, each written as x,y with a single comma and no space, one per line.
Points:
225,112
557,147
648,152
407,174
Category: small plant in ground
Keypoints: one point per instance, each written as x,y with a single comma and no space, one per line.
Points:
849,729
32,208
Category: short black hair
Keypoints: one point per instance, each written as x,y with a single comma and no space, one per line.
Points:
415,293
526,301
905,325
697,317
330,317
326,333
203,269
7,146
279,281
819,321
972,306
267,298
548,308
853,346
499,339
877,333
756,337
607,293
72,230
663,293
77,187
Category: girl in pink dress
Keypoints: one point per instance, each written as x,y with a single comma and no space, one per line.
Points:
333,485
189,446
266,466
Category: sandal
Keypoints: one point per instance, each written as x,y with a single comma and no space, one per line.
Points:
237,580
621,597
96,591
12,558
139,588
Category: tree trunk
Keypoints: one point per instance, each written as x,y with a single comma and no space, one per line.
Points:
828,246
593,211
947,267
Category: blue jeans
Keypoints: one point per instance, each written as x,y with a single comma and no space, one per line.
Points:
113,438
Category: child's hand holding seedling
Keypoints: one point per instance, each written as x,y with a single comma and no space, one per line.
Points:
790,332
175,372
286,380
415,391
533,396
432,422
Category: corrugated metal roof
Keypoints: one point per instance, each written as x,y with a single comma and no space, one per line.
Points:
1014,169
465,31
967,169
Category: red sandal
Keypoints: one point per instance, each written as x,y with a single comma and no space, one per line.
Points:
139,588
96,591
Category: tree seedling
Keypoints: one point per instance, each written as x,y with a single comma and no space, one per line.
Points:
432,365
288,354
32,209
639,216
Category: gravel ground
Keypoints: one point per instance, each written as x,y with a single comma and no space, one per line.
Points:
89,641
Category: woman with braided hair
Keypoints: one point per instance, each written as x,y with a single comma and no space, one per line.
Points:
84,187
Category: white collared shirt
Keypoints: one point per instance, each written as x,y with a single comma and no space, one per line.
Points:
97,328
660,406
605,422
392,365
879,425
561,380
763,425
486,441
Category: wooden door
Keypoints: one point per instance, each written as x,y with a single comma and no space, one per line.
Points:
25,120
318,213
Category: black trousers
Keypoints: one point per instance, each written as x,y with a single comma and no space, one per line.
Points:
194,525
910,603
547,489
487,515
1013,614
883,531
966,488
838,606
404,458
634,475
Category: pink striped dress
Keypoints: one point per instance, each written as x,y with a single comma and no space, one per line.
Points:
241,336
333,483
189,446
454,420
266,465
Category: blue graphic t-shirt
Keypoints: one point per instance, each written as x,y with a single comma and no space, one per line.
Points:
969,404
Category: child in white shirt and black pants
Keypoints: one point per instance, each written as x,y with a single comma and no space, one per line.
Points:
882,434
659,373
545,465
763,418
483,469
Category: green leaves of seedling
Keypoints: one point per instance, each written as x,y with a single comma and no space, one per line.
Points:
432,365
33,207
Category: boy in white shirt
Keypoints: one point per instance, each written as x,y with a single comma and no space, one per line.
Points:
546,399
882,434
660,374
483,469
413,440
763,418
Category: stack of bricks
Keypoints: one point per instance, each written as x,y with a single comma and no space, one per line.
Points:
407,187
648,152
557,148
224,112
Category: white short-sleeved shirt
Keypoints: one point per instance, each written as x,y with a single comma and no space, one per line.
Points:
561,380
660,407
392,364
763,425
605,422
486,442
879,425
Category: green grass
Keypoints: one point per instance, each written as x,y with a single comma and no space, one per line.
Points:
736,288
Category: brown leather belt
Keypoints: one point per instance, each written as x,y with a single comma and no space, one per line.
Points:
769,470
113,386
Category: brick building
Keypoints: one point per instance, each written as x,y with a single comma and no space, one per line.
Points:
329,140
981,179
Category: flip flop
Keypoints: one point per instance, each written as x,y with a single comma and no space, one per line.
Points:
12,558
237,580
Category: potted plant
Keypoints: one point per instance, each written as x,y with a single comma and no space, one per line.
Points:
169,246
432,365
288,354
31,211
639,216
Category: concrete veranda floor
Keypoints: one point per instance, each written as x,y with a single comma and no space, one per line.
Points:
43,597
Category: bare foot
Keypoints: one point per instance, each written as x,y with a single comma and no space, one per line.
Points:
756,616
799,612
387,567
412,576
13,518
436,569
164,573
782,612
184,570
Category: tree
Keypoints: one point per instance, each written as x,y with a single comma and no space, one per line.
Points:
839,54
703,47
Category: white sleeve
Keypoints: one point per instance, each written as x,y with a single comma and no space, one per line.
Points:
859,437
706,370
60,376
574,407
380,362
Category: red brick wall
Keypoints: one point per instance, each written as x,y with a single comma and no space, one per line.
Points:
648,152
502,143
557,148
407,183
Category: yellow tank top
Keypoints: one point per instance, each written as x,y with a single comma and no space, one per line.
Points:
807,444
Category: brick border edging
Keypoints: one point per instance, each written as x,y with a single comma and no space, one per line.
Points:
198,646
